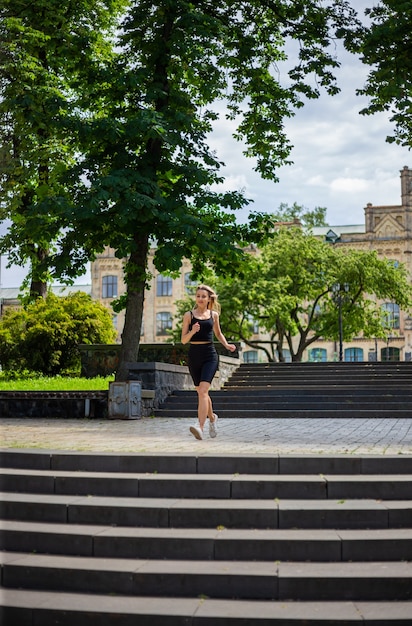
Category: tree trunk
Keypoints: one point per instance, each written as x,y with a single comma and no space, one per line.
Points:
135,272
38,287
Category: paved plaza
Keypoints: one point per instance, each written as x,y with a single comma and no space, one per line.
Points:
235,436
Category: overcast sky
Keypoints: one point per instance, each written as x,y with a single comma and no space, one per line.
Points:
341,160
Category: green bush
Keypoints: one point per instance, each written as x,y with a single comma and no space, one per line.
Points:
43,336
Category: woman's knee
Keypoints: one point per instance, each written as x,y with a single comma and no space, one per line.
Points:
203,390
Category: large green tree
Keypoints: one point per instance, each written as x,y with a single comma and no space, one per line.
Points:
47,48
148,172
140,121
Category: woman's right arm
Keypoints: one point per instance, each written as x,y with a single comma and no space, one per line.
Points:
186,333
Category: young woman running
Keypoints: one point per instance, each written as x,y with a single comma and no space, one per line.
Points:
197,329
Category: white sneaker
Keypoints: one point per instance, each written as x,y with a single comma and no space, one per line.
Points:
213,426
196,431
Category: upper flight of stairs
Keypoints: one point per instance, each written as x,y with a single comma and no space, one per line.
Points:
298,390
179,540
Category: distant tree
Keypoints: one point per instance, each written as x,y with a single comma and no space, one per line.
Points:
44,336
298,272
299,213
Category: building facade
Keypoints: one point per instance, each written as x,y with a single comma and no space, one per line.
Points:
388,230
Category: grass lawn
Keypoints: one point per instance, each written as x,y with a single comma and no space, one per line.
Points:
55,383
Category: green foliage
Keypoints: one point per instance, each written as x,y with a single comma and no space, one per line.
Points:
299,213
108,127
287,289
385,46
43,337
47,50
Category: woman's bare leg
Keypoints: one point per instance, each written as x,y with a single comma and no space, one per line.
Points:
204,406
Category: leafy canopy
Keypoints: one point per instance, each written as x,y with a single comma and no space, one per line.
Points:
385,45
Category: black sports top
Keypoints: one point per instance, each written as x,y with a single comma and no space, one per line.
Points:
206,328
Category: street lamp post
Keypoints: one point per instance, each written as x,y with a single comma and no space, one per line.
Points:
338,291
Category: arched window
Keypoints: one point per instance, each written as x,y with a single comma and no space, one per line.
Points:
109,287
163,323
164,285
391,316
318,355
353,354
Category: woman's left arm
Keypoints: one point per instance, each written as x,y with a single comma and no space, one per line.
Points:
219,335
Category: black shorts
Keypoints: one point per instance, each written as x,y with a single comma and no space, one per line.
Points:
203,362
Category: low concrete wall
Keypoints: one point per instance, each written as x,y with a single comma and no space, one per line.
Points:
56,404
158,381
164,378
103,359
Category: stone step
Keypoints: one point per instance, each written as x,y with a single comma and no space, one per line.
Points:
219,544
205,513
258,580
269,464
242,396
265,403
41,608
373,368
259,382
295,404
349,413
338,376
202,486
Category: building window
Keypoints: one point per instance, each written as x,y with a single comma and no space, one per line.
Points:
115,321
390,354
109,287
353,354
164,285
163,323
254,325
390,312
251,356
318,355
287,355
190,284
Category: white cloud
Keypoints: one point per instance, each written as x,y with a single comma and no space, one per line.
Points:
350,185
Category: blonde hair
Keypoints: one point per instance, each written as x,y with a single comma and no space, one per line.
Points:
213,303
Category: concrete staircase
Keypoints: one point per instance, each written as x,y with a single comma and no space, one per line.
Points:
172,540
299,390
